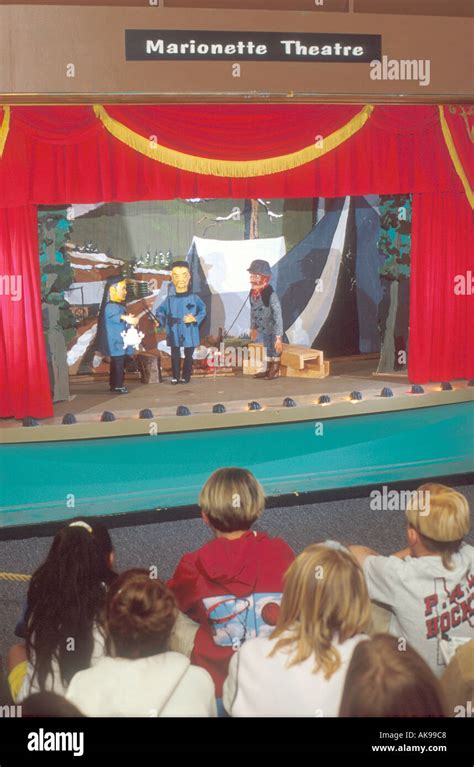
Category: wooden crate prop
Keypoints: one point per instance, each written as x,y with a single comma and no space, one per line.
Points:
149,365
254,362
301,362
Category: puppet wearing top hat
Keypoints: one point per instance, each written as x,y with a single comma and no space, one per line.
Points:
180,315
112,321
266,323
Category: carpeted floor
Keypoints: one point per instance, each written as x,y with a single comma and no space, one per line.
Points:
162,544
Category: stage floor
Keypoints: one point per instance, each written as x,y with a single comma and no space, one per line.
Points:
91,397
133,464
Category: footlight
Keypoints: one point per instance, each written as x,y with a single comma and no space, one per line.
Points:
107,416
289,402
446,386
218,408
69,418
356,396
183,410
146,413
324,399
417,389
386,392
29,421
254,405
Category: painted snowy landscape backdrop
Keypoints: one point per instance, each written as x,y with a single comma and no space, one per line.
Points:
333,263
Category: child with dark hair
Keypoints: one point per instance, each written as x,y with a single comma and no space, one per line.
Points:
104,541
48,704
385,679
64,603
142,677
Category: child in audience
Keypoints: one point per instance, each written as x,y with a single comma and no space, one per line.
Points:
108,575
223,584
428,586
458,682
64,603
299,670
389,679
48,704
142,678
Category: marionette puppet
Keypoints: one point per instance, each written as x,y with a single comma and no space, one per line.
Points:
117,336
180,316
266,323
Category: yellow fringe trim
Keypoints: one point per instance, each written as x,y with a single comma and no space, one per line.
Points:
4,128
231,168
453,153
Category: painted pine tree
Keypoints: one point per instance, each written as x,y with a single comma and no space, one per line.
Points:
57,276
395,245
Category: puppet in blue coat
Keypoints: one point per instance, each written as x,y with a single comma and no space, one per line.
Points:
112,321
180,315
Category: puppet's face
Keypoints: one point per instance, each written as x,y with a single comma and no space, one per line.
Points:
181,278
256,280
118,292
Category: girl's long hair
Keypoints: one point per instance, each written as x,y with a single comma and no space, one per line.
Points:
325,602
65,597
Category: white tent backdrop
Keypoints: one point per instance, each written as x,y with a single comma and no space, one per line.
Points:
224,264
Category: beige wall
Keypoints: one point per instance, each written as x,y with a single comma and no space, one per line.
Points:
38,42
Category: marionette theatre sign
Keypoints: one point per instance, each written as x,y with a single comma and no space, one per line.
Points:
163,45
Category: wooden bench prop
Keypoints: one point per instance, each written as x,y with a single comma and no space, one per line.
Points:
302,362
149,365
296,361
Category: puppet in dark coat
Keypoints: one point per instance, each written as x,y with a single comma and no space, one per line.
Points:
112,321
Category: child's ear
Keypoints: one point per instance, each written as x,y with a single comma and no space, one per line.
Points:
412,536
205,518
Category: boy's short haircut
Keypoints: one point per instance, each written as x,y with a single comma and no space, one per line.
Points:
140,614
232,499
441,517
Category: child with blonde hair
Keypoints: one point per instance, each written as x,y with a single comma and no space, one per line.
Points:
225,585
428,586
299,670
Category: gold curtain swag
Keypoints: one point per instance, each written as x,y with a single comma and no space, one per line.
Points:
231,168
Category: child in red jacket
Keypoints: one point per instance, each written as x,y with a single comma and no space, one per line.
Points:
232,585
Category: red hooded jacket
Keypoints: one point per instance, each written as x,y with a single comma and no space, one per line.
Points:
232,588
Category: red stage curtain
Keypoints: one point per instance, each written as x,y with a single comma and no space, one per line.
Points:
25,381
233,131
460,121
441,321
57,155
